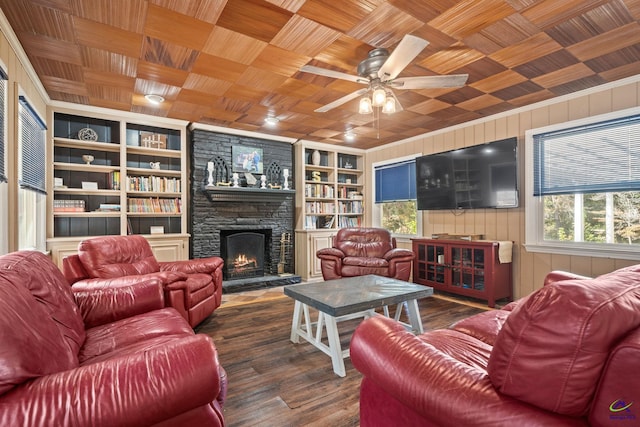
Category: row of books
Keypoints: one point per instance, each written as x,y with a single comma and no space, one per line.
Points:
319,190
153,183
320,207
68,206
313,222
114,180
156,205
351,207
349,221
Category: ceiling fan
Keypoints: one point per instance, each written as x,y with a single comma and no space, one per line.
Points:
379,71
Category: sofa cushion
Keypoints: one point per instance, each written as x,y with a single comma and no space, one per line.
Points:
553,347
41,329
111,256
133,334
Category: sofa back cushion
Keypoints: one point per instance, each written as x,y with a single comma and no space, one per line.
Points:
41,330
364,242
552,349
116,256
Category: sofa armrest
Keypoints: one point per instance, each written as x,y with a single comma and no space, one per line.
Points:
434,384
73,269
139,389
106,300
558,276
329,253
399,253
200,265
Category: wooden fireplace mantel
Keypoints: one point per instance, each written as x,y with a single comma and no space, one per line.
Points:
246,194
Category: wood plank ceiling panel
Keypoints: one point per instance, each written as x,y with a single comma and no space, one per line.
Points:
230,62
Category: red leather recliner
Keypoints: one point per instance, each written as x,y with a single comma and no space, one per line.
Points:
106,354
361,251
193,287
566,355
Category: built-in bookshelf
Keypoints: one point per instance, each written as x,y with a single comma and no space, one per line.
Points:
333,198
333,184
115,176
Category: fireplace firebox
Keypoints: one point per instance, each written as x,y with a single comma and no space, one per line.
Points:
244,253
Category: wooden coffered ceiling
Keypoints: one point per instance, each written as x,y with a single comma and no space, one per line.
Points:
231,63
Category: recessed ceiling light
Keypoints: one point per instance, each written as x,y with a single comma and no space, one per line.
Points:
271,121
154,99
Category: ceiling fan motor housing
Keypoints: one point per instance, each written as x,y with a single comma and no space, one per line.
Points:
369,67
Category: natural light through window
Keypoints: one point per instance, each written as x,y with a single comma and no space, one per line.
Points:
583,195
395,196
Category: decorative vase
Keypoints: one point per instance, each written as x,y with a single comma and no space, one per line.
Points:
315,158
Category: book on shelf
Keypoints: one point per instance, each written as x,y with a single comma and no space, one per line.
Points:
68,206
114,180
109,207
154,205
153,183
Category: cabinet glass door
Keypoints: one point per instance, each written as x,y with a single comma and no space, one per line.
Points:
436,268
468,268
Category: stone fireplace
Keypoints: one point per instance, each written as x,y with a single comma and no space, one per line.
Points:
264,215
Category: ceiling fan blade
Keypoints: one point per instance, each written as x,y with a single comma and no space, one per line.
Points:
408,48
334,74
340,101
430,82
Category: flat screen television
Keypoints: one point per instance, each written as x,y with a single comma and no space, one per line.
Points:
477,177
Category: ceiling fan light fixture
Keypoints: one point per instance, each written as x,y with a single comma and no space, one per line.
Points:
379,97
365,106
349,136
389,106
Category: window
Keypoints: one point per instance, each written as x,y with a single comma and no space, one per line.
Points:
395,197
31,177
584,196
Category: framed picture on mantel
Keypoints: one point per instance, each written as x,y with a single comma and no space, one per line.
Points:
247,159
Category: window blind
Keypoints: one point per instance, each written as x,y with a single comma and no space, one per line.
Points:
596,158
3,123
32,142
396,181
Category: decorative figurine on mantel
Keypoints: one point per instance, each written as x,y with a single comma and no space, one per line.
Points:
285,174
210,169
235,180
263,181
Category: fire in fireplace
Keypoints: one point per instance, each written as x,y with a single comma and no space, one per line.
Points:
244,253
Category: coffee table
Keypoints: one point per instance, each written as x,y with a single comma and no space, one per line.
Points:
350,298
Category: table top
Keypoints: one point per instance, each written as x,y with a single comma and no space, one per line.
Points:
354,294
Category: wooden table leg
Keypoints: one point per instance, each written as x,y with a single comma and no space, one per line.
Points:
334,345
414,317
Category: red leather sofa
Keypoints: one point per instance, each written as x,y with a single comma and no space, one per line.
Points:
193,287
567,355
361,251
109,354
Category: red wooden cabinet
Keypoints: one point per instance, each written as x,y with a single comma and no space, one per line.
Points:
469,268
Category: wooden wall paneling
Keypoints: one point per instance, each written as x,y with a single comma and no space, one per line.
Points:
490,131
603,265
582,265
600,103
578,109
624,97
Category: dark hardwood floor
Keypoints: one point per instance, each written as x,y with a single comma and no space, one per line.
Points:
273,382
